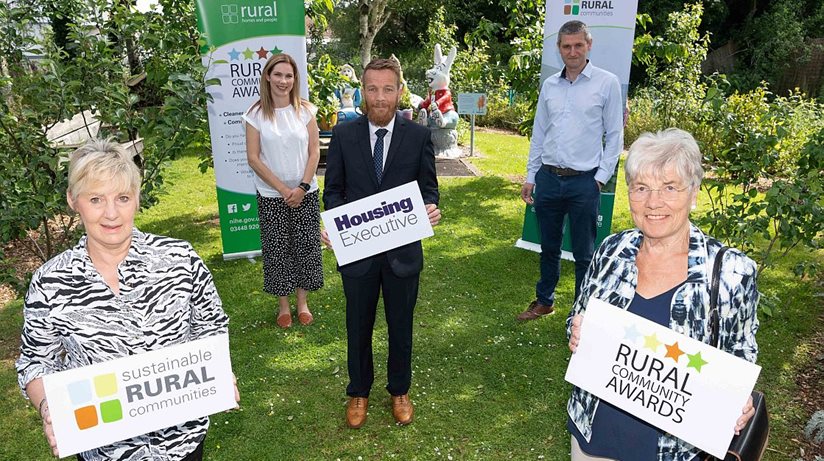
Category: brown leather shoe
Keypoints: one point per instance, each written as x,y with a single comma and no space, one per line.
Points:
356,411
402,409
534,311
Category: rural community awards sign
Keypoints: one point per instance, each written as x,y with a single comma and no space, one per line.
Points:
106,402
241,37
377,223
682,386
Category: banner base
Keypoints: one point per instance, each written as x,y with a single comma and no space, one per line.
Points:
244,254
526,245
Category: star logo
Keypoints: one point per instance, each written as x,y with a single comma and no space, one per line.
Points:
275,50
651,342
696,361
234,55
262,53
247,53
631,333
673,351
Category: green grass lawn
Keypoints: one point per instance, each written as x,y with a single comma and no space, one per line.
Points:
484,386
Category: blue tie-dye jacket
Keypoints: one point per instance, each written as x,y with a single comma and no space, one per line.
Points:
612,277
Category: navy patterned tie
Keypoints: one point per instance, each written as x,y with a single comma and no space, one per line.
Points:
378,154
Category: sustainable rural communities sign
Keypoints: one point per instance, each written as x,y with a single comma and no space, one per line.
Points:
103,403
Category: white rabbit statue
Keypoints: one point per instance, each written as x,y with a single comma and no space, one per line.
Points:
441,117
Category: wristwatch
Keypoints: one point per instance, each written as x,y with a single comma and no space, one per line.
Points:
304,186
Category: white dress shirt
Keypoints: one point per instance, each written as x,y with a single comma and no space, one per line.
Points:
578,124
387,138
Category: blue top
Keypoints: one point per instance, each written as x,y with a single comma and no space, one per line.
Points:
615,433
578,125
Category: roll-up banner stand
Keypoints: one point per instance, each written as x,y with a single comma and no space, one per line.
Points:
240,36
612,24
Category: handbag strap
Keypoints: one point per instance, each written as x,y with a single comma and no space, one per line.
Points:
715,281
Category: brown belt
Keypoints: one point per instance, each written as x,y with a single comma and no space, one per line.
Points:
563,171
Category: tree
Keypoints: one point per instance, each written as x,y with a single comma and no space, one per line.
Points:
372,15
167,110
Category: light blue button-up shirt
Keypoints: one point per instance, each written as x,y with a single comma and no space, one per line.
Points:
578,124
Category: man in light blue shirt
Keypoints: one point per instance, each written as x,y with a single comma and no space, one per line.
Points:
576,140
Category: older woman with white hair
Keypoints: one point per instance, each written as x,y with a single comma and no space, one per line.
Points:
118,292
661,271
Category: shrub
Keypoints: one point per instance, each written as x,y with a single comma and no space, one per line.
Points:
500,113
764,153
167,109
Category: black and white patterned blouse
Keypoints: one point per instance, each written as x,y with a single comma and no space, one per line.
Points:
72,319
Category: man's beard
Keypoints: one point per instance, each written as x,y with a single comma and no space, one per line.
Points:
379,119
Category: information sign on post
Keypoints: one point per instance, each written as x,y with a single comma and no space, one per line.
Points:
472,104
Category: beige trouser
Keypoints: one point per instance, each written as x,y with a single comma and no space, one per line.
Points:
578,455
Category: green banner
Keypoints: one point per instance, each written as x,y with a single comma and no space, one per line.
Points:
531,234
226,21
238,222
241,36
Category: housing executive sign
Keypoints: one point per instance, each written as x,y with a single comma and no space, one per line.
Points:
106,402
377,223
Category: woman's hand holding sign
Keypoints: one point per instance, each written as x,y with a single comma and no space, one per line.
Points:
748,412
237,392
575,336
48,430
37,395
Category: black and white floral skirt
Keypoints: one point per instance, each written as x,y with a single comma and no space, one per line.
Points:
290,243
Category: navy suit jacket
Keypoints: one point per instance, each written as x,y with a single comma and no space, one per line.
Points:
350,176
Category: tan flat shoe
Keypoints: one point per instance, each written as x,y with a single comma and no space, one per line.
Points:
305,318
285,320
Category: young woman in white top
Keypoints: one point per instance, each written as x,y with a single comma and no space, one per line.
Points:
283,150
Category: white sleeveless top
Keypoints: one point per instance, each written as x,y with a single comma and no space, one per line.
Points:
284,146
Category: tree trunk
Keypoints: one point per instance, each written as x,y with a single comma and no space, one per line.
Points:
372,15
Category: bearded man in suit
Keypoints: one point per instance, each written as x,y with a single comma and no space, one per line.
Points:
374,153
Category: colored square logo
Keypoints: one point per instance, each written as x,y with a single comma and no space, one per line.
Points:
567,9
111,411
86,417
229,14
105,385
80,392
575,9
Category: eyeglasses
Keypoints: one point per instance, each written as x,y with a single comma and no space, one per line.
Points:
666,193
